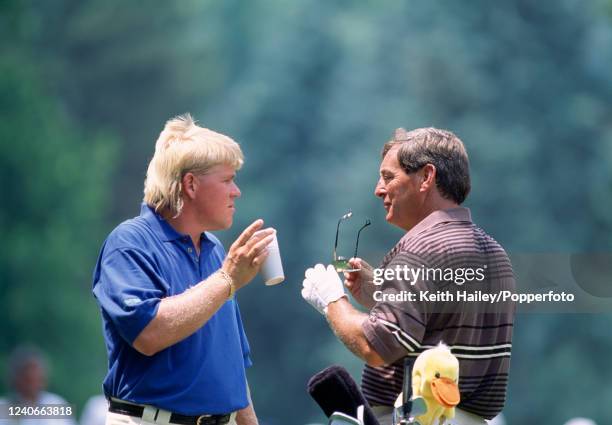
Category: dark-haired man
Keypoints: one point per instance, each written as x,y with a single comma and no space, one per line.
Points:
424,178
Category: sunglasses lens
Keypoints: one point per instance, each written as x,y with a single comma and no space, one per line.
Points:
342,265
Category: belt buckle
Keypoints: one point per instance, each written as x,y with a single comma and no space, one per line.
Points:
200,418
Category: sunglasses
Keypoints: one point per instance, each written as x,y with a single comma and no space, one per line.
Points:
342,263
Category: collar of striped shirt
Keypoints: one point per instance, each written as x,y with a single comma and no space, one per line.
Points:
440,216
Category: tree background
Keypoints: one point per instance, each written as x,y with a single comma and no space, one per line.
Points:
311,90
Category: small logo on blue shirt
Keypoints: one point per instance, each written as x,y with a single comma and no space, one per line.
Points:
131,302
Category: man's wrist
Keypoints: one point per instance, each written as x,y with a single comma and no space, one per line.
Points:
326,309
230,282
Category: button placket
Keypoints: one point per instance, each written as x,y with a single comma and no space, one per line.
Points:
190,250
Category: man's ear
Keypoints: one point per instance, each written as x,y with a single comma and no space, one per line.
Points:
428,177
190,185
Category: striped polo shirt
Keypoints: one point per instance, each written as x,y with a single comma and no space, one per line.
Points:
432,258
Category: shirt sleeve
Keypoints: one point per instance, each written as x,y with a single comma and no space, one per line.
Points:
129,289
397,327
244,342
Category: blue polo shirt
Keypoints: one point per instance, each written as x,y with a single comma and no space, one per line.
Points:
142,261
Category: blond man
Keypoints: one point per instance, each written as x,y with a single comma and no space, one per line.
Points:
165,286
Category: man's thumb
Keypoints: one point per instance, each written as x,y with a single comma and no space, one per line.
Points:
355,263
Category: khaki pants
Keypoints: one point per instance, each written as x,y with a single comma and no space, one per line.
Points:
384,414
147,418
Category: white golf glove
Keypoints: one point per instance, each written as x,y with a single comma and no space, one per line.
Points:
322,286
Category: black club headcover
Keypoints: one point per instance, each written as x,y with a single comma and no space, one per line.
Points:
335,391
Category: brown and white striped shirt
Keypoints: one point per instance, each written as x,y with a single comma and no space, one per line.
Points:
479,334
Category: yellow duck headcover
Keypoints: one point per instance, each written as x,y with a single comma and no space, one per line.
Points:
435,378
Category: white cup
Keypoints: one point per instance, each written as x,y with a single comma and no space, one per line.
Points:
272,268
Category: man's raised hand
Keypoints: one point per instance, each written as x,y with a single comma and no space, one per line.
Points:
247,253
360,283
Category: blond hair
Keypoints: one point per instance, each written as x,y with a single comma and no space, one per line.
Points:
184,147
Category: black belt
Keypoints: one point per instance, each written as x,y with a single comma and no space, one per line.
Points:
175,418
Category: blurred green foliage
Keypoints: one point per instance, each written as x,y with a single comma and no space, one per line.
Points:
311,90
56,184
